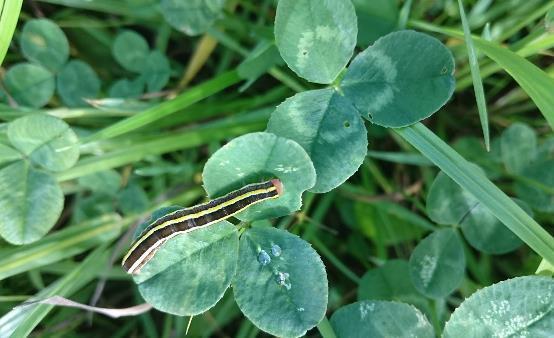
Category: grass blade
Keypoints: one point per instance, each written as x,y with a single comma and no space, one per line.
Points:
476,76
535,82
215,131
142,10
9,13
463,173
167,108
399,157
20,321
59,245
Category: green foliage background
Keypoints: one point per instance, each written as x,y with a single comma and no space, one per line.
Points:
408,195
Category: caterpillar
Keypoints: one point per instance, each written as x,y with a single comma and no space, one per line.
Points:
189,219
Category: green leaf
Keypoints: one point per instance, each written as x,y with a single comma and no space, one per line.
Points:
133,199
518,307
44,43
518,146
31,202
329,128
403,78
30,85
281,284
447,202
156,71
77,81
46,140
476,77
125,88
88,206
380,319
106,181
390,281
191,17
487,234
537,188
190,272
256,157
316,38
376,18
437,264
8,155
130,50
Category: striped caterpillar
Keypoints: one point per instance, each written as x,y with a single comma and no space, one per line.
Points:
197,217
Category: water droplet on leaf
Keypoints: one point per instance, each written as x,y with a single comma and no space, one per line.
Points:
281,279
263,258
276,250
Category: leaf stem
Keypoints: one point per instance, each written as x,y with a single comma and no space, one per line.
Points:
325,329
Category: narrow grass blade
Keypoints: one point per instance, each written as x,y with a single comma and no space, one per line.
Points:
164,144
9,13
476,76
166,108
137,10
535,82
463,173
404,14
400,157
